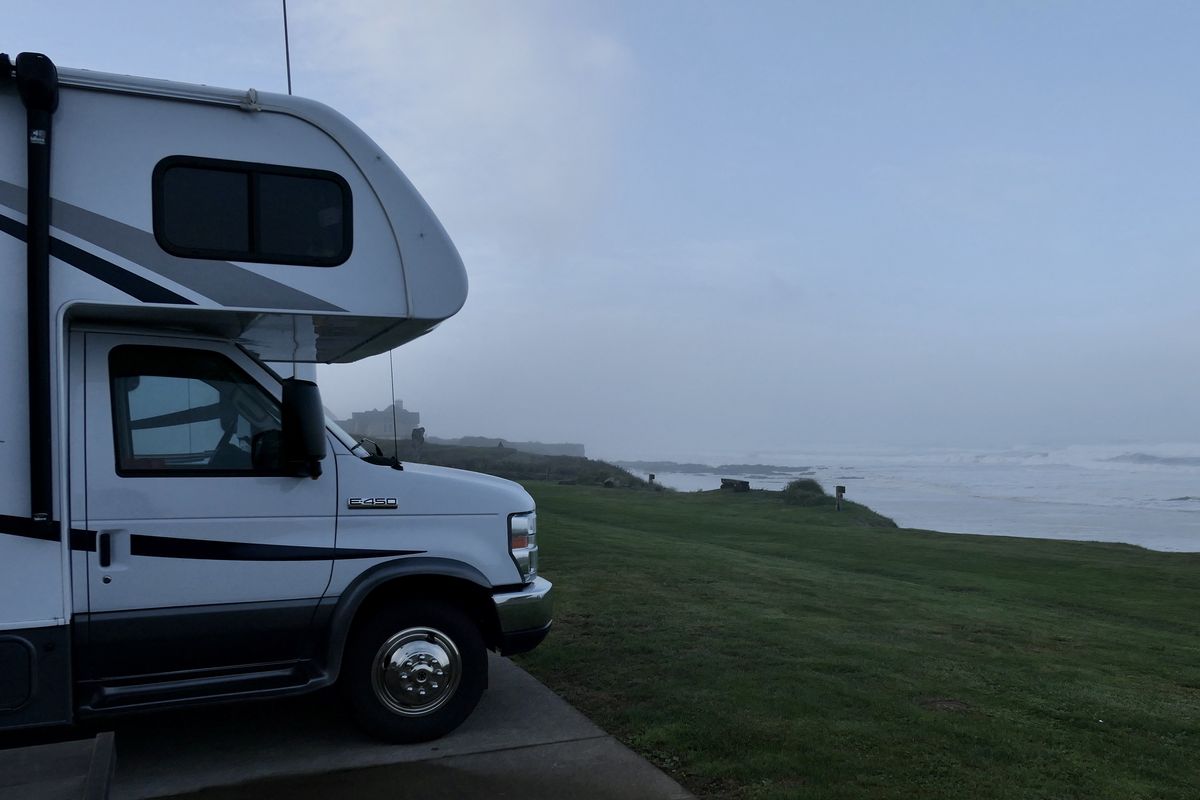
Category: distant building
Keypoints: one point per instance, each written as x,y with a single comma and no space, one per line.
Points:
383,424
379,426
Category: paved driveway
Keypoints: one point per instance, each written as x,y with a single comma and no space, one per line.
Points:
523,741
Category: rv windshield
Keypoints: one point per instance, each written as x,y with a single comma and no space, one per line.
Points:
362,408
338,431
281,369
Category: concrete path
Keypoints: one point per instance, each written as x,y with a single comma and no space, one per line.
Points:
79,769
523,741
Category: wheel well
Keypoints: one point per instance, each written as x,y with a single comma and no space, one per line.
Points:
470,598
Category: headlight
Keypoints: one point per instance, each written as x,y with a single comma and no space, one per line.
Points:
522,541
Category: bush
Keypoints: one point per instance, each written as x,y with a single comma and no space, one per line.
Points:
806,492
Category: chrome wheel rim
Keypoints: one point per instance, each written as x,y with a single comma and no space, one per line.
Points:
416,671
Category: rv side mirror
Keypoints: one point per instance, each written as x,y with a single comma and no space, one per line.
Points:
303,427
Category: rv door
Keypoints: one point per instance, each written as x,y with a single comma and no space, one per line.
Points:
211,551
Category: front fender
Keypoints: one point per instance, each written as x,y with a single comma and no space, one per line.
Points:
342,610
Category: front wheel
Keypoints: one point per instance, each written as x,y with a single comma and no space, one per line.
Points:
416,673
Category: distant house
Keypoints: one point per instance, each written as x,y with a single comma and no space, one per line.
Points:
383,423
378,425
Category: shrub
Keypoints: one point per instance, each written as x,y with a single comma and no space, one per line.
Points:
806,492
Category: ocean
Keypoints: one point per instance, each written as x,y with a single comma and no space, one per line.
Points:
1145,495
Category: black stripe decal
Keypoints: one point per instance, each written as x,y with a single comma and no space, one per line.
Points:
134,285
212,550
141,544
27,528
12,228
117,277
45,531
83,540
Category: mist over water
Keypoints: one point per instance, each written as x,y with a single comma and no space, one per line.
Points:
1146,495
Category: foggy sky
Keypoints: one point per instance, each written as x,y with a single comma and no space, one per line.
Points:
756,226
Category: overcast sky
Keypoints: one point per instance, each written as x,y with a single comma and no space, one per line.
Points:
753,226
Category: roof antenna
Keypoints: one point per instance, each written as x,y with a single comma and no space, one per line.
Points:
395,424
287,50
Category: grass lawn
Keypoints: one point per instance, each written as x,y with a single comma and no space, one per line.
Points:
759,650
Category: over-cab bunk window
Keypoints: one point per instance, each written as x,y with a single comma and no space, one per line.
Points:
242,211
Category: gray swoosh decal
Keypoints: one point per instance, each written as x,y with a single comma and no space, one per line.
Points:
117,277
221,281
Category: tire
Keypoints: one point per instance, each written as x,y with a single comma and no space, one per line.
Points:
415,673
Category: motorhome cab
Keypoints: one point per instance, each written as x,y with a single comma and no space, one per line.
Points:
178,523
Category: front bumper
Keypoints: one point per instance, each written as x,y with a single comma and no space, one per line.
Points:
525,616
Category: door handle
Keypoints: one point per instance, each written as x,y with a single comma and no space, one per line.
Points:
104,549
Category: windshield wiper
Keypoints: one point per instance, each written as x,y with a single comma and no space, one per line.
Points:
378,457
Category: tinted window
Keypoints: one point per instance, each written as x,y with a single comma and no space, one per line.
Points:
180,411
239,211
205,209
299,215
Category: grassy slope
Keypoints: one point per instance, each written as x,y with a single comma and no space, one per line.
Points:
757,650
514,464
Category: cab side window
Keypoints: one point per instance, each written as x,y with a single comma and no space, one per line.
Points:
178,411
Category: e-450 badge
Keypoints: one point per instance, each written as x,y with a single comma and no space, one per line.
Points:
371,502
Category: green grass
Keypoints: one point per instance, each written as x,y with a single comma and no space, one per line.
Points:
756,649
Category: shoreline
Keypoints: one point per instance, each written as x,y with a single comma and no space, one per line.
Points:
964,508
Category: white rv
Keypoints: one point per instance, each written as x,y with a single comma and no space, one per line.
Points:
179,524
